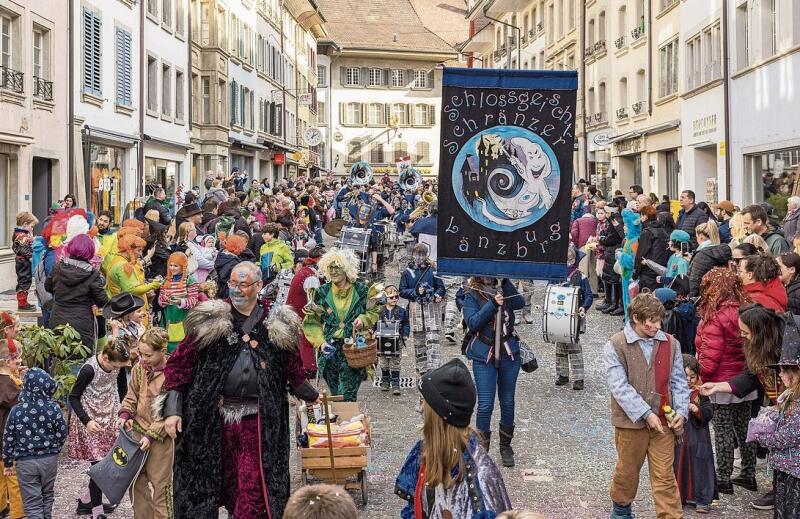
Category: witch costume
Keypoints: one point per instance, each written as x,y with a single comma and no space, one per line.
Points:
227,380
694,456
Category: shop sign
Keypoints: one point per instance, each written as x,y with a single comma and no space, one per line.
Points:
704,126
279,159
629,145
304,99
601,139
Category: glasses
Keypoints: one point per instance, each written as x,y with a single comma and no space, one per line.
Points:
393,297
242,286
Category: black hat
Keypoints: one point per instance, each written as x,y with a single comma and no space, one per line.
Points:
189,210
450,392
155,226
316,252
122,304
790,352
300,255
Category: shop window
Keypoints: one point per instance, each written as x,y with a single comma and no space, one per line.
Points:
161,172
771,174
106,164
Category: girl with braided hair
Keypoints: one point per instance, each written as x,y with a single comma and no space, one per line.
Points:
177,296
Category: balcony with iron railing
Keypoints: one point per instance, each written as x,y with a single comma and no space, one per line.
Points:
540,27
637,107
596,119
600,47
503,50
620,42
637,33
622,113
42,88
12,80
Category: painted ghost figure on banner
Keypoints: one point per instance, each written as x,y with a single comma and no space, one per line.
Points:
511,180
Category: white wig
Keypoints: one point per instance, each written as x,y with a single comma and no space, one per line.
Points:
344,259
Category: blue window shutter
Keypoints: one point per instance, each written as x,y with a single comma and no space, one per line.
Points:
242,115
234,90
123,45
88,59
97,54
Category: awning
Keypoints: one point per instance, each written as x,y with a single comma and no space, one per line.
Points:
245,145
169,143
646,131
109,136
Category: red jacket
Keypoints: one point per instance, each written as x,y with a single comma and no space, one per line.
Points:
297,299
582,228
719,345
771,294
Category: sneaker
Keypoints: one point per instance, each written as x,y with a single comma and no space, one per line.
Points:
384,385
396,391
765,502
746,483
528,318
702,509
451,337
577,385
562,380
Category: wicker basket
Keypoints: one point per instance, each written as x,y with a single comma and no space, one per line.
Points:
358,358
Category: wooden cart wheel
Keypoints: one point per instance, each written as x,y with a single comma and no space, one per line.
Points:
363,477
303,477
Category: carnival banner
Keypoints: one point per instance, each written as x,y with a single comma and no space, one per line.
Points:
506,172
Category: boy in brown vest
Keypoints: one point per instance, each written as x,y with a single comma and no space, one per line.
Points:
644,370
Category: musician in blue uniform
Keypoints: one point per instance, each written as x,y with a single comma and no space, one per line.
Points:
366,217
424,230
569,357
389,365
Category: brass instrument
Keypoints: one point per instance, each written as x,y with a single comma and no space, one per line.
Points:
410,179
427,199
360,173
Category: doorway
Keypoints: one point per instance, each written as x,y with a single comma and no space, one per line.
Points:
41,190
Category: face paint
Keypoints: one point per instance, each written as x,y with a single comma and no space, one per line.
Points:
337,274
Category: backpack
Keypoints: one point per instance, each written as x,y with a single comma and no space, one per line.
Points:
39,277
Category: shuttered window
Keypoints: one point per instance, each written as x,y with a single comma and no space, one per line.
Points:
423,155
92,53
234,98
124,67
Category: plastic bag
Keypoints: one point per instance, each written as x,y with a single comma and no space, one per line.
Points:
342,435
765,423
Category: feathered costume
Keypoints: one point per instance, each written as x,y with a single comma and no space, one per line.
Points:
633,229
217,456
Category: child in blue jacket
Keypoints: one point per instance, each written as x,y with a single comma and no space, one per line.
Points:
34,434
389,365
569,357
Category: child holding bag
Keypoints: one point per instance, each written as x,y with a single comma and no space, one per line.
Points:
136,414
177,296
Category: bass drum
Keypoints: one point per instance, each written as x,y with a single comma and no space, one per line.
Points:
561,320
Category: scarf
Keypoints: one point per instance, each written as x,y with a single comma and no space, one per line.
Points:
151,372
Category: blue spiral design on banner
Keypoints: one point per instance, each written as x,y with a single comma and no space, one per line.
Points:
506,178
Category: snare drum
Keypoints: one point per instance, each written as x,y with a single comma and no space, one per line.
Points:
561,318
388,336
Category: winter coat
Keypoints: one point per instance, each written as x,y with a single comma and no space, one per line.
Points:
163,212
35,426
158,263
479,315
9,395
76,286
654,246
705,260
771,294
582,228
481,494
793,297
776,242
275,253
216,193
688,220
725,231
791,224
719,345
611,240
579,207
784,442
413,278
224,265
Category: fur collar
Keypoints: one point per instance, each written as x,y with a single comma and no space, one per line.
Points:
284,327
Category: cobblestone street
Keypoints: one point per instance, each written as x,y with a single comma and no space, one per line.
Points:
564,443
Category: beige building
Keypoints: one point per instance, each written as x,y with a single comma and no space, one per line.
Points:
385,86
34,85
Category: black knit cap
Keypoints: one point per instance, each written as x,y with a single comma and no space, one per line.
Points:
450,392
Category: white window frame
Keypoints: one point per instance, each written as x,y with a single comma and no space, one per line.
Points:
6,40
668,67
421,79
398,78
180,95
352,76
376,109
167,73
400,111
425,110
205,94
353,114
375,77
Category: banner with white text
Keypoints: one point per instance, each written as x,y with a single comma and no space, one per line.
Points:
506,172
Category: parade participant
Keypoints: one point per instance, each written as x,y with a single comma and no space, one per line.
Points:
420,285
639,395
94,401
569,357
449,473
719,352
424,230
9,392
178,295
226,394
482,301
653,246
9,329
203,250
339,306
77,287
275,255
123,312
389,365
233,252
320,502
694,459
128,275
305,280
22,245
784,440
627,255
32,441
678,264
105,234
136,415
189,213
367,217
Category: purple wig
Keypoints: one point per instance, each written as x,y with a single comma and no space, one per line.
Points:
81,247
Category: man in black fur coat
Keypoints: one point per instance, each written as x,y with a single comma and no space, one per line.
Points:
226,401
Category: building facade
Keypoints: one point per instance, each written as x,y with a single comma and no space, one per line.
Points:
385,89
34,88
167,129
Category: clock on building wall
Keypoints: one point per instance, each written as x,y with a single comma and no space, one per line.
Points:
312,136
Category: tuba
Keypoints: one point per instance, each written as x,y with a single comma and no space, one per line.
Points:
360,173
410,179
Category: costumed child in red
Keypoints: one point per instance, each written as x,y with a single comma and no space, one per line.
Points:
694,457
306,279
177,296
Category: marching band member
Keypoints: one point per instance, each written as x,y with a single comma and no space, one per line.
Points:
389,365
569,357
